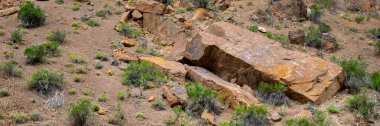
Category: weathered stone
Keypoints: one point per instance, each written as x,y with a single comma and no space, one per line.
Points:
102,111
125,16
172,68
283,10
168,32
248,89
151,98
8,11
232,94
150,6
275,116
129,42
262,30
129,8
180,18
110,73
232,52
199,14
297,37
175,94
123,55
329,42
208,117
136,14
169,9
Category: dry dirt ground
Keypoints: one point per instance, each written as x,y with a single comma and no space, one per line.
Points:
94,39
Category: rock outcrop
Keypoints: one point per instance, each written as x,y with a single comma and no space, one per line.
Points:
237,54
150,6
172,68
175,94
232,94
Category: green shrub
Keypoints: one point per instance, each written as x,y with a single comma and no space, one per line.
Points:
360,105
102,97
313,37
170,120
359,19
75,6
121,95
324,28
87,92
101,56
320,118
315,13
95,107
2,32
76,59
2,116
278,37
333,109
4,92
144,49
78,70
20,118
35,116
104,12
117,118
16,36
189,8
57,35
59,1
75,24
35,54
377,47
8,54
375,81
51,48
325,3
202,3
140,116
126,29
72,91
92,23
201,99
253,28
46,82
345,17
299,122
353,29
254,115
98,65
158,105
78,79
10,69
79,112
167,2
272,93
119,3
180,10
139,73
31,15
375,32
355,72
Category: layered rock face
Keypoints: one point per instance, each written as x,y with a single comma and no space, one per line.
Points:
234,53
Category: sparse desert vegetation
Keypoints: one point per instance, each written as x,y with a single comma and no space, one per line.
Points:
189,62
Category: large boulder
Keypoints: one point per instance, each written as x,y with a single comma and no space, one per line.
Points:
297,37
8,11
175,94
150,6
234,53
172,68
295,10
232,94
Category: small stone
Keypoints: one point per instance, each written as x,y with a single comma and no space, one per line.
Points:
210,14
129,8
187,24
129,42
102,111
208,117
151,98
125,16
276,116
136,14
83,26
110,72
180,18
262,30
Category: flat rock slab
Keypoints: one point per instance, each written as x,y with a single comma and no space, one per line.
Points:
232,94
149,6
8,11
172,68
234,53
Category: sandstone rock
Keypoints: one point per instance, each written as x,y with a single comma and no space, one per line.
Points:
125,16
136,14
297,37
329,42
123,55
169,9
8,11
175,94
232,52
262,30
284,10
232,94
172,68
275,116
210,14
187,24
199,14
248,89
102,111
150,6
129,42
151,98
110,73
83,26
180,18
168,32
208,117
129,8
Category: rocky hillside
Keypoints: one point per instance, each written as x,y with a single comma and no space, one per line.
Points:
190,62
